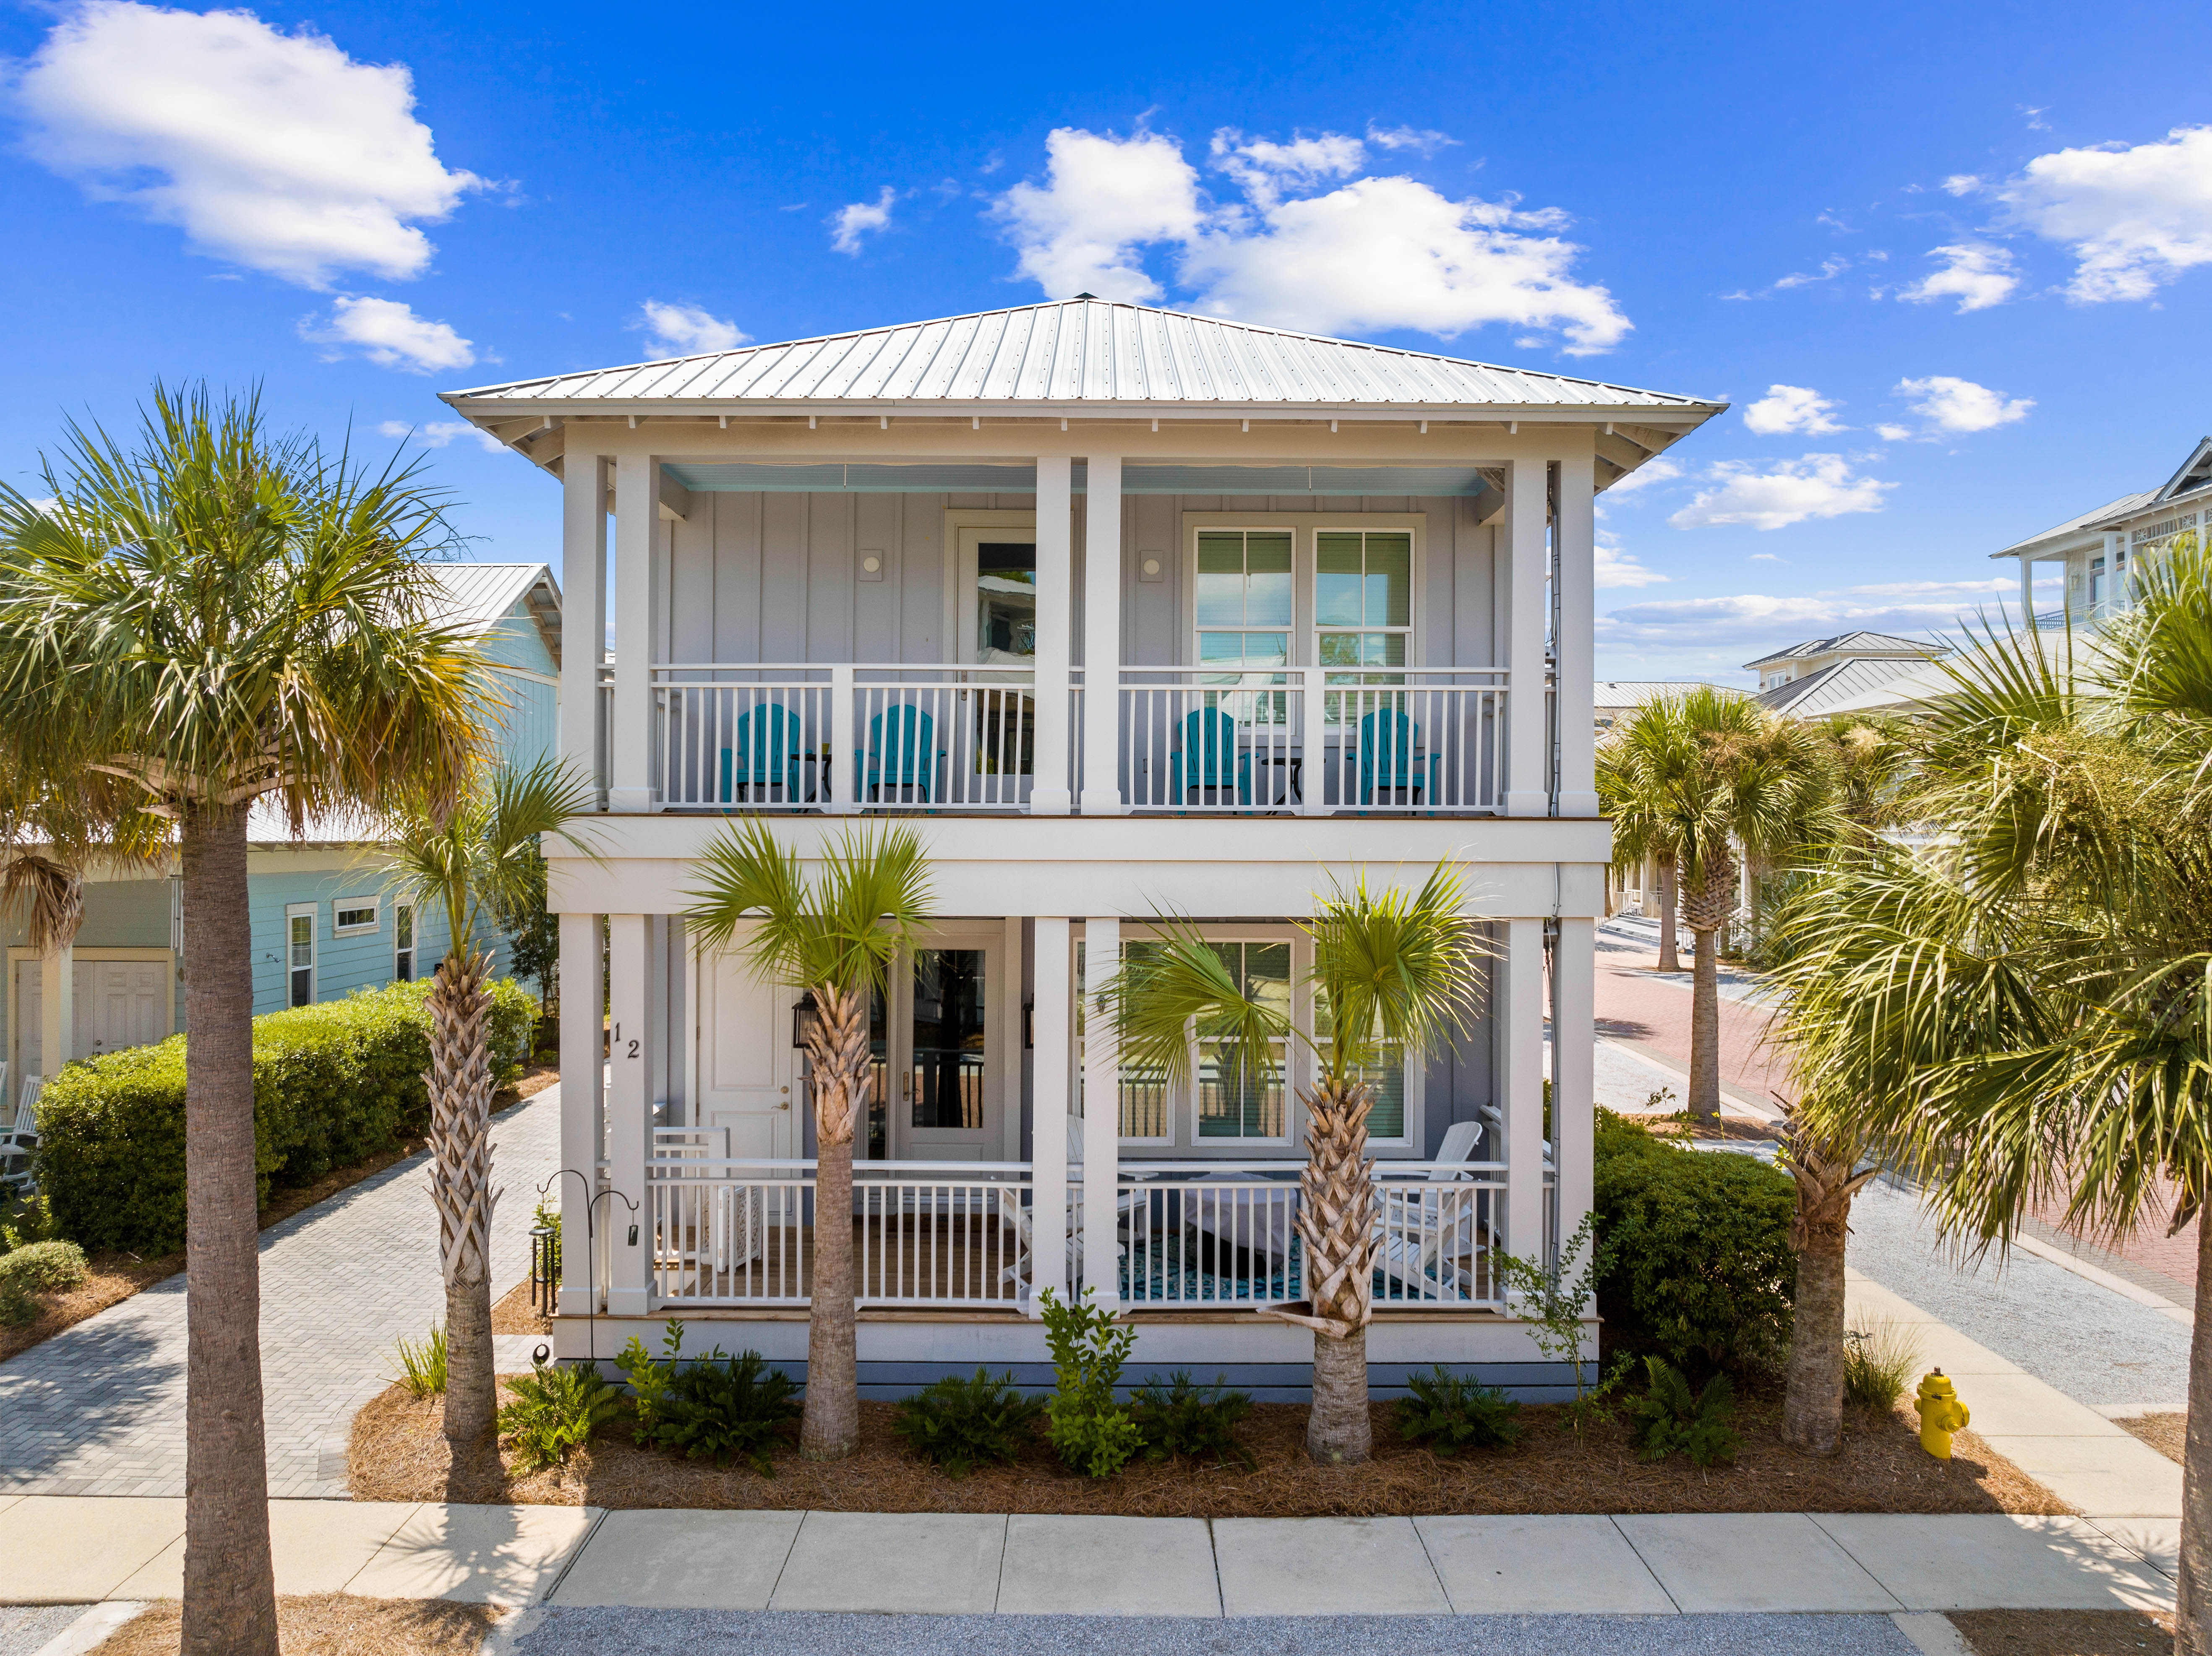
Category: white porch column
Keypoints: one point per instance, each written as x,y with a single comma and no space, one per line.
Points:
57,1010
1049,1022
1102,638
2026,593
1521,545
1521,1083
1048,789
584,605
1101,1111
637,499
1575,535
630,1112
1574,1018
583,1072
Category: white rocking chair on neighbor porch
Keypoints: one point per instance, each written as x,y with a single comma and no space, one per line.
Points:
1432,1242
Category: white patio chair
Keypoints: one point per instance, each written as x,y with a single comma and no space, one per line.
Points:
20,1137
1414,1224
1016,1217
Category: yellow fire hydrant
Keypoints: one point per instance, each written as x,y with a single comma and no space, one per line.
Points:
1940,1414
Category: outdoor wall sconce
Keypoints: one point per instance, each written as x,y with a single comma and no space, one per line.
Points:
804,1019
1029,1023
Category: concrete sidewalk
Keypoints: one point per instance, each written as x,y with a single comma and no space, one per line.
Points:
81,1550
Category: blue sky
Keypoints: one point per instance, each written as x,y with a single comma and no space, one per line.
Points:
1971,246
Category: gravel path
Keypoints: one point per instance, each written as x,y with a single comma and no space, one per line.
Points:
99,1408
2090,1343
575,1632
26,1629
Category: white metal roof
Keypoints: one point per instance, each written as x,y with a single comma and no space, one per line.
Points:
479,595
1076,351
1860,644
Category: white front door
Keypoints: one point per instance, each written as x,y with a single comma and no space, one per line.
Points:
30,1003
120,1004
746,1074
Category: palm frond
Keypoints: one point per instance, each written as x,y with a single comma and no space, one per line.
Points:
843,930
1175,990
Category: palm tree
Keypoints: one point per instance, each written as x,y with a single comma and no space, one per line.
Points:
475,861
1393,973
1717,777
2022,1012
220,615
837,938
1653,744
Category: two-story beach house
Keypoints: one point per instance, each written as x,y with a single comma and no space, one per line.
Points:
1130,613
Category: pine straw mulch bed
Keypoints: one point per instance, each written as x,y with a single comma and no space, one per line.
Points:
2064,1632
397,1453
111,1278
2168,1434
328,1624
514,1314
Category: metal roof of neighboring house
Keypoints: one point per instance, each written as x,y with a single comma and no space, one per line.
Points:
2191,478
1833,686
1081,350
1865,644
2119,509
1636,692
480,595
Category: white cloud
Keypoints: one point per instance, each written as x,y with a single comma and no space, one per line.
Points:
687,330
1974,273
1790,491
1791,407
436,434
1954,404
2134,218
1373,254
1658,470
1618,568
1962,184
1105,198
859,218
1831,268
1421,142
274,151
390,335
1890,434
1264,169
1765,557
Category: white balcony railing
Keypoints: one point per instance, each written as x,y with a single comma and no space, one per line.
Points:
863,737
952,1235
1312,740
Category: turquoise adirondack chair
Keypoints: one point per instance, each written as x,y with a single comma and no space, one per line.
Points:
1390,745
1211,760
901,752
766,756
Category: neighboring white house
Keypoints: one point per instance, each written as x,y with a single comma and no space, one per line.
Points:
1822,674
2101,547
1128,612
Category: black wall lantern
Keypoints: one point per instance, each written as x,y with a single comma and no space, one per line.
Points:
1029,1023
804,1019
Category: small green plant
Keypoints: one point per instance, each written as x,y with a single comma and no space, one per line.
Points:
958,1424
1878,1365
36,1268
422,1363
1457,1411
554,1414
714,1407
1183,1419
32,1221
1554,1299
1092,1432
1669,1418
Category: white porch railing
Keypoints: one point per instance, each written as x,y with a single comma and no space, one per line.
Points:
1312,740
741,1233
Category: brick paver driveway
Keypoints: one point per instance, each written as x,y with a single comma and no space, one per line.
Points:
99,1408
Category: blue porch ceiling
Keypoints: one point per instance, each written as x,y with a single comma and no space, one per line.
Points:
877,478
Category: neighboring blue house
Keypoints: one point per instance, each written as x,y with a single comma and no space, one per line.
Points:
326,922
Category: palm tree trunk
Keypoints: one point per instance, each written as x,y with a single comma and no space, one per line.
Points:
459,1084
1706,906
830,1425
2193,1619
1812,1406
230,1589
1669,960
1336,1221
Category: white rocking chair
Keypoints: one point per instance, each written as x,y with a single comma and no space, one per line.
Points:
1415,1223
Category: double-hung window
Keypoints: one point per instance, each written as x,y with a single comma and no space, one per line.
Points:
1384,1073
1241,1092
403,942
300,954
1363,607
1245,615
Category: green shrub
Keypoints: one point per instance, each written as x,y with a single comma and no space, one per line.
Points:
36,1268
333,1084
554,1413
1457,1411
709,1408
1092,1432
1696,1256
959,1423
1669,1418
1185,1419
422,1363
1878,1365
